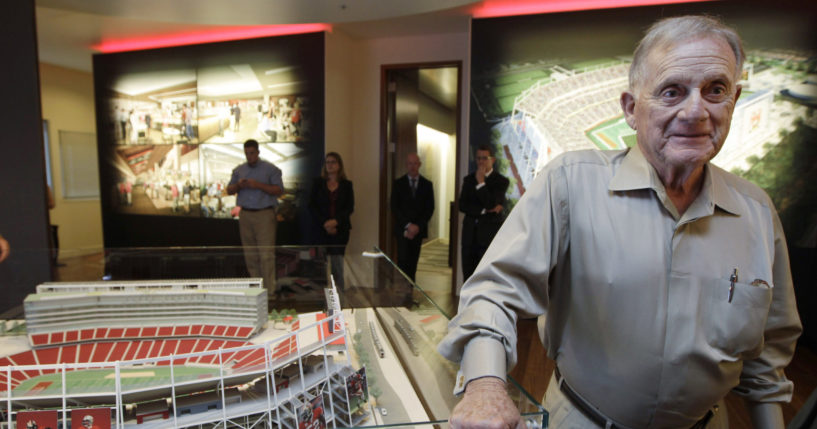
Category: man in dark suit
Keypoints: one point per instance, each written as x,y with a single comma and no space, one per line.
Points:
412,203
482,199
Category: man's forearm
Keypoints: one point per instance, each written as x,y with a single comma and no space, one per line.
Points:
765,415
273,190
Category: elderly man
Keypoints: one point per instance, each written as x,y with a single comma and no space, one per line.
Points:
258,184
665,279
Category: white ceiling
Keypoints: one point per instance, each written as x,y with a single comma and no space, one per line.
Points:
67,29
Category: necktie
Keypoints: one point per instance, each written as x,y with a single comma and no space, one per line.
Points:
413,187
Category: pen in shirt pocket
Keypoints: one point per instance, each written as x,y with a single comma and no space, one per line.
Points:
732,280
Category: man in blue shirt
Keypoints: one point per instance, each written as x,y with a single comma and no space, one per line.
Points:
258,184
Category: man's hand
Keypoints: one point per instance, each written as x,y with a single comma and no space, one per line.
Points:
497,209
248,183
331,226
480,175
5,249
411,231
486,405
274,190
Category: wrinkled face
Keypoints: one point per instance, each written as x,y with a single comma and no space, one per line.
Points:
252,155
485,160
413,164
332,165
682,110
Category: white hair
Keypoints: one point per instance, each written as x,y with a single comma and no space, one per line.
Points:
669,31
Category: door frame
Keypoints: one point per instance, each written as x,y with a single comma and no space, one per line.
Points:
384,210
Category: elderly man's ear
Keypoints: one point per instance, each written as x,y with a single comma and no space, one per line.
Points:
628,107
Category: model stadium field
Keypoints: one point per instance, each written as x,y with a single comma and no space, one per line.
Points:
612,134
104,380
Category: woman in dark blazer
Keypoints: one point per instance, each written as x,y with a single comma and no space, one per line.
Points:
331,203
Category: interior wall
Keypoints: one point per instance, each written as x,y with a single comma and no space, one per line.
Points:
366,58
68,105
339,100
434,115
436,150
438,164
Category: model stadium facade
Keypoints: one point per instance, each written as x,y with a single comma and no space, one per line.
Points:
299,375
64,313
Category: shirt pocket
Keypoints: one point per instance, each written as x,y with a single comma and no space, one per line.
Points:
736,328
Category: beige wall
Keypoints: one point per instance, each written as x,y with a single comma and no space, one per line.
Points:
361,111
68,105
339,99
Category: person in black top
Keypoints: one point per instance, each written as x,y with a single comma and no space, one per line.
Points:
482,199
331,203
412,203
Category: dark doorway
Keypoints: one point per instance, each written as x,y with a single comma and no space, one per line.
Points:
420,113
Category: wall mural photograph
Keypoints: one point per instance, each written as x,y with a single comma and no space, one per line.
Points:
153,107
175,121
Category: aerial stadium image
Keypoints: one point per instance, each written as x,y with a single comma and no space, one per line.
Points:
546,84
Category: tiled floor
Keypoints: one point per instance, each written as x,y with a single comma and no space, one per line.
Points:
434,275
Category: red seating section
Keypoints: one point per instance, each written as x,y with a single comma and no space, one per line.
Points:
111,351
127,344
323,332
97,334
284,348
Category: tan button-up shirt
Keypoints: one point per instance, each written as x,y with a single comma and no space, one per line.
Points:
637,298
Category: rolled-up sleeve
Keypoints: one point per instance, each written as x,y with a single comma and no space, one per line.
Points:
762,379
511,281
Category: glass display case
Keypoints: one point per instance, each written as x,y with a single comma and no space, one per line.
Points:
181,337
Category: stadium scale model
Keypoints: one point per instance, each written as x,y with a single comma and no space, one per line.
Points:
186,353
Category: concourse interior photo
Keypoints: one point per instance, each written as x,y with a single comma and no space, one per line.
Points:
378,213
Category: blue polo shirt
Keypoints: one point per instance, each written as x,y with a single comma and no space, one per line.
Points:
264,172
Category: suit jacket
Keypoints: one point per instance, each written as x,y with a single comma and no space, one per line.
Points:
344,206
479,227
407,209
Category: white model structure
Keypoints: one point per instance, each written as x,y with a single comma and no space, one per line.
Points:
64,313
296,380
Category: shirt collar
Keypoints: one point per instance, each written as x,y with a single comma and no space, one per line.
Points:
635,172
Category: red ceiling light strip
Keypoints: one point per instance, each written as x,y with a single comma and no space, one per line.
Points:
210,36
497,8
